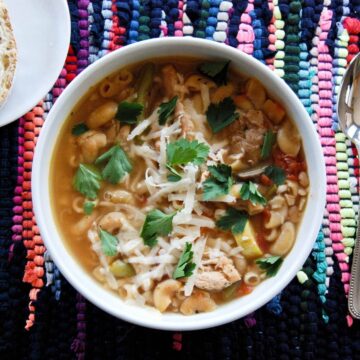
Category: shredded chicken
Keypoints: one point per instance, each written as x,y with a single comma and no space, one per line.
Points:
246,135
216,273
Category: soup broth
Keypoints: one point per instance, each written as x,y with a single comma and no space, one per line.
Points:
179,183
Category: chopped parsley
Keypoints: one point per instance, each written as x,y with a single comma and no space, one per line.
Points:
185,266
183,151
88,207
174,176
156,224
270,264
87,181
269,140
216,70
118,164
218,183
234,220
276,174
221,115
108,243
250,192
128,112
166,109
79,129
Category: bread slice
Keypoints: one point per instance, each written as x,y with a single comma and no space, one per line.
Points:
8,54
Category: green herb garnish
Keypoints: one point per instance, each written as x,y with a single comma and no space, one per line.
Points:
156,224
166,109
79,129
218,183
269,140
108,243
184,151
174,176
250,192
221,115
234,220
276,174
118,164
216,70
185,266
87,181
128,112
270,264
88,207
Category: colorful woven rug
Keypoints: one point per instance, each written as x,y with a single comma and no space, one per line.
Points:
309,44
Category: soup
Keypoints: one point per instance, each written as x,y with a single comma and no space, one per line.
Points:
179,184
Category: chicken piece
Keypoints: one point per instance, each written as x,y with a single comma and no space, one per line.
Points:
90,144
255,117
185,120
173,82
216,274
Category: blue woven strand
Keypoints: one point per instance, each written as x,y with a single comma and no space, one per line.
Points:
171,15
354,6
96,28
274,305
239,7
261,16
133,32
212,19
155,18
336,6
75,32
123,12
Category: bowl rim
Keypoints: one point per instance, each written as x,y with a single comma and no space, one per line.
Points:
43,210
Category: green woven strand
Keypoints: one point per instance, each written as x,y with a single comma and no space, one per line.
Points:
292,46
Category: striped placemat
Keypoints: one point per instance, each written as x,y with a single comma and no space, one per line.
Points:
309,44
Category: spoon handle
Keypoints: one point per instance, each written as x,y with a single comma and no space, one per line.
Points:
354,293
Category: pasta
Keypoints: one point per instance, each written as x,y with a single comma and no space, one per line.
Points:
179,184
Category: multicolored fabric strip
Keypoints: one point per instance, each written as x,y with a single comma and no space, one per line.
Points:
309,44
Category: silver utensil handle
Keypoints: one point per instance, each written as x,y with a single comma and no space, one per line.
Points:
354,293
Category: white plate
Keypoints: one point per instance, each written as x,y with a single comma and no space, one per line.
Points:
42,32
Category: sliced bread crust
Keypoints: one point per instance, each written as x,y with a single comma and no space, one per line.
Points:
8,54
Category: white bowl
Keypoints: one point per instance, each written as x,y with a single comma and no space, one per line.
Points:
83,281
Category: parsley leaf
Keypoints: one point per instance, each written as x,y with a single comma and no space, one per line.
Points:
183,151
174,176
271,264
218,183
117,165
128,112
185,266
221,115
250,192
216,70
166,109
269,140
89,207
79,129
87,181
275,174
234,220
156,224
108,243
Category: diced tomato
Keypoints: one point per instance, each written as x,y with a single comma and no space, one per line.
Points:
265,180
266,214
260,240
244,289
292,166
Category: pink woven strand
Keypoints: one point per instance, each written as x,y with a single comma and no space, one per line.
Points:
246,34
324,113
272,36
